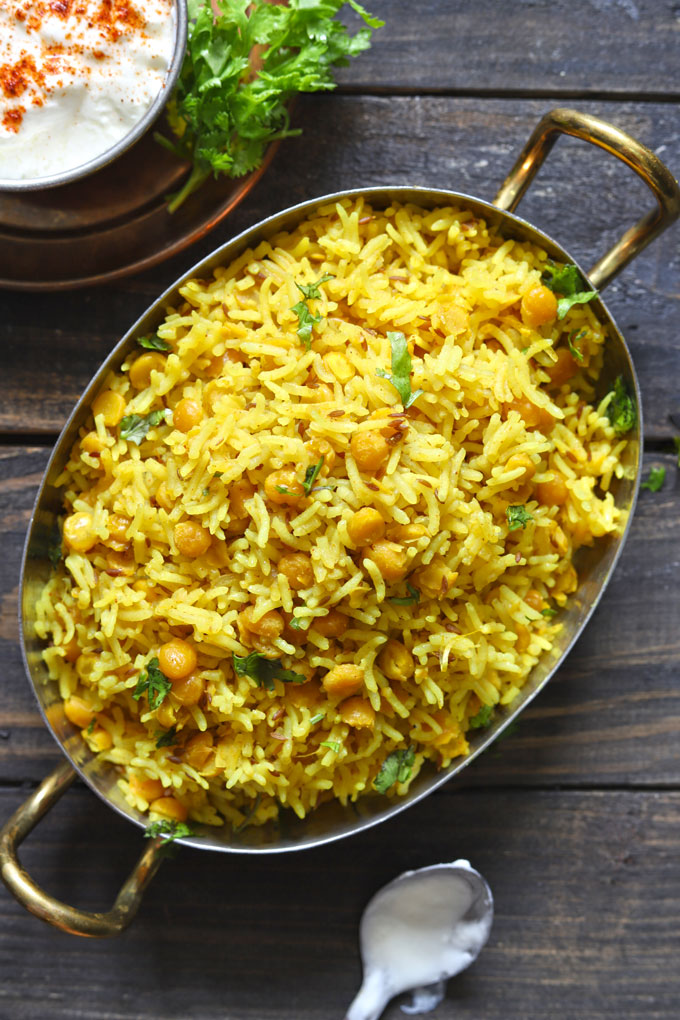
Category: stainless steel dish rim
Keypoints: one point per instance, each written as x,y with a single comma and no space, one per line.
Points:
109,155
154,314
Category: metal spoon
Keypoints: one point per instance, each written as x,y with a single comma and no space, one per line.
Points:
418,931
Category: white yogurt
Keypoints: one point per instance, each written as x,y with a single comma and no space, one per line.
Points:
76,76
418,931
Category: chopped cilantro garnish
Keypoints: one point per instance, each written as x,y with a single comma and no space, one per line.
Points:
482,718
300,623
400,377
408,600
396,768
167,738
334,745
549,612
167,830
265,671
223,115
285,491
518,517
153,343
134,427
568,282
311,291
54,553
655,479
620,408
91,725
311,475
306,322
154,683
572,339
317,718
306,318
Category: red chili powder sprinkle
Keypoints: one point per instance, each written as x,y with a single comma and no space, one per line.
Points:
12,119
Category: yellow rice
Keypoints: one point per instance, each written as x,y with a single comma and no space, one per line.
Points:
454,289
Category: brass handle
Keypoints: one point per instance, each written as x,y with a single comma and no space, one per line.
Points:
40,903
646,165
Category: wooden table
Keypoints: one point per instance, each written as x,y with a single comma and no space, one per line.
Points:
575,818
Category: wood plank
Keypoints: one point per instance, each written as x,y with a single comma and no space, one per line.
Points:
611,716
585,887
53,343
479,46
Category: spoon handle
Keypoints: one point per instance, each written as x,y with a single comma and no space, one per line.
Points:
371,998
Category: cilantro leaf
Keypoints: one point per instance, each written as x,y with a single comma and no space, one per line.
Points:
317,718
549,612
311,290
400,377
167,830
134,427
306,322
655,479
620,408
223,115
518,517
154,683
311,475
54,553
482,718
568,282
571,343
265,671
153,343
300,623
409,600
91,725
334,745
396,768
167,738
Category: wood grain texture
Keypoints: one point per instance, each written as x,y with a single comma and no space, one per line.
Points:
585,887
528,47
610,716
52,344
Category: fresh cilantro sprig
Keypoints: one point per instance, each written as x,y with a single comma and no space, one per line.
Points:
134,427
265,671
620,408
396,768
154,683
334,745
568,283
400,376
482,718
518,517
153,343
655,479
224,112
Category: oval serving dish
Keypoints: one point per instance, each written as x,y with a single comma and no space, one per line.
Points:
594,565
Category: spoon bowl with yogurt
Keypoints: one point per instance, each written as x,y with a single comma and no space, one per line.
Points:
417,932
80,83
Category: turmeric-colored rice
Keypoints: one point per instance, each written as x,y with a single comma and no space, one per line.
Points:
400,588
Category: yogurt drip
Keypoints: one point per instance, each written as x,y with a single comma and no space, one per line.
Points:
418,931
76,76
